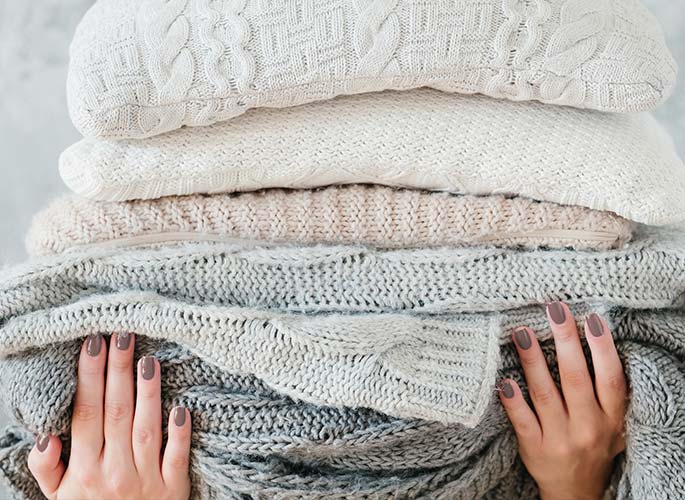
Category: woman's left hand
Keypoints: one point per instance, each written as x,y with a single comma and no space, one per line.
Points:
569,440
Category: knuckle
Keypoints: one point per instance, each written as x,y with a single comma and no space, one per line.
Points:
149,394
575,378
118,484
85,412
179,462
543,395
120,364
616,382
588,440
117,411
524,427
532,360
562,451
143,436
565,334
86,478
90,371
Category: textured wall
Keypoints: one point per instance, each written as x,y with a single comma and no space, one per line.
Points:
34,37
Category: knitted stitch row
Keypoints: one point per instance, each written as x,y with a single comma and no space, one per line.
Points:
145,67
436,369
649,272
369,215
421,139
251,442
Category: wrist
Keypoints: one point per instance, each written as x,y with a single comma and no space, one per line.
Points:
561,493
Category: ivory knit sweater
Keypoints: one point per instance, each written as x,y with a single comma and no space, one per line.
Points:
145,67
422,139
348,215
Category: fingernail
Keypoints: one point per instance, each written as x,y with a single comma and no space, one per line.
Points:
42,442
507,389
556,312
522,338
594,322
123,341
94,344
148,367
179,416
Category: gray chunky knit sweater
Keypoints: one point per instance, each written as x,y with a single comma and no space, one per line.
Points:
250,441
267,426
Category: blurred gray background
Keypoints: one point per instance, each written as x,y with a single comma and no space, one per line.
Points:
34,39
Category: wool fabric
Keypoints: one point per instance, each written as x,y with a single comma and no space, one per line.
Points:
423,139
649,272
435,369
141,68
374,216
252,442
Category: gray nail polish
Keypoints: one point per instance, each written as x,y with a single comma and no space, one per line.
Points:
94,344
522,338
595,325
179,416
123,341
42,442
556,312
507,389
148,367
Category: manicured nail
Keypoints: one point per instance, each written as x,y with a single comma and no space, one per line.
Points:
522,338
94,344
594,322
42,442
179,416
556,312
507,389
148,366
123,341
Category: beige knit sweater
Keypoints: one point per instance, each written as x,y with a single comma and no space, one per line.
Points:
355,214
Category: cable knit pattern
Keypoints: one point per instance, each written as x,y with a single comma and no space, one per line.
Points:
383,362
252,442
377,36
348,215
649,272
143,68
422,139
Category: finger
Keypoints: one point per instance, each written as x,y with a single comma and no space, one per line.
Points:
119,401
177,452
147,423
610,381
576,383
46,465
86,424
543,391
523,419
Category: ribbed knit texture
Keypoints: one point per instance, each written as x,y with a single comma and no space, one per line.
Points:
348,215
251,441
143,67
424,139
649,272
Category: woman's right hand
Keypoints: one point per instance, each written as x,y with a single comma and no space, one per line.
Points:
116,443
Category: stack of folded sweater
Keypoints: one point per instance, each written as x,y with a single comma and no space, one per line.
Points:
326,242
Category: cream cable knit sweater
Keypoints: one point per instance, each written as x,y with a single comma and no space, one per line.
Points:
424,139
144,67
368,215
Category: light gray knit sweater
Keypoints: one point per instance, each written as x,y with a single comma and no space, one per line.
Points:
199,303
